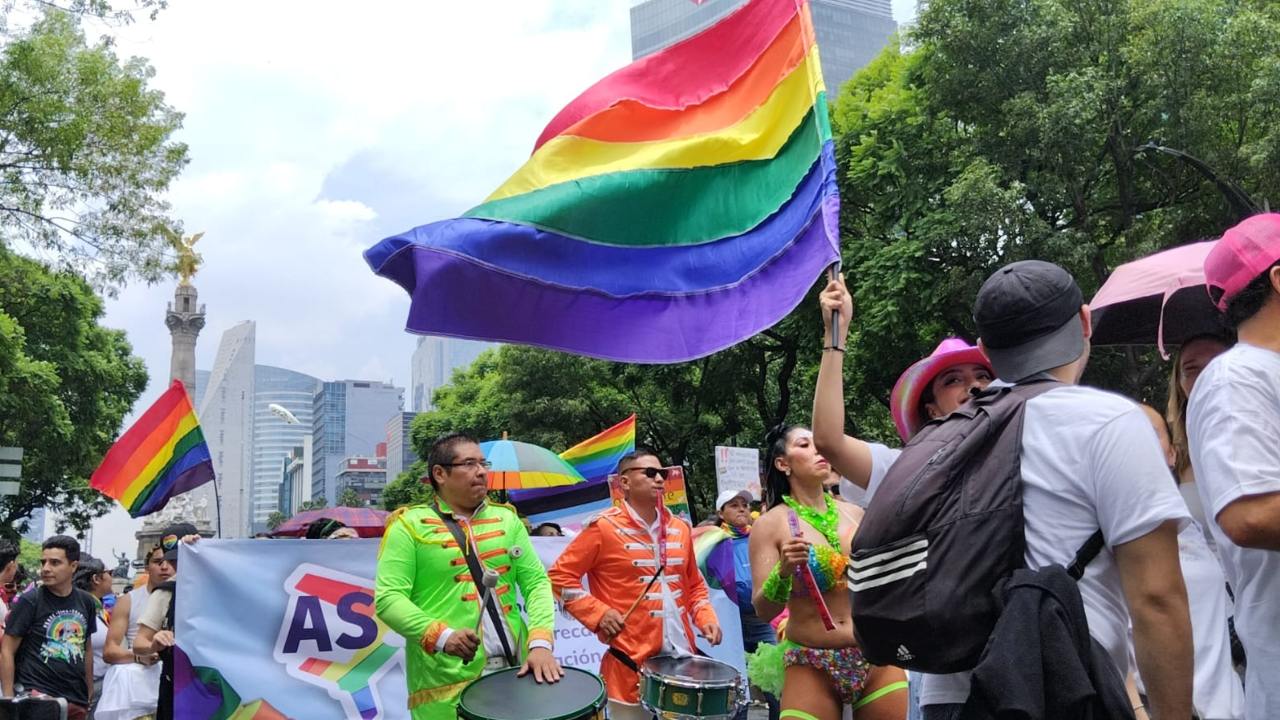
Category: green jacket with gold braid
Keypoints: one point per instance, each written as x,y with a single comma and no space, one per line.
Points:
424,588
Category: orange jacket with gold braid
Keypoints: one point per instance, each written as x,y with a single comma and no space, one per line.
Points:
616,554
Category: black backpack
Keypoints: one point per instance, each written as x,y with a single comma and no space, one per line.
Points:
942,531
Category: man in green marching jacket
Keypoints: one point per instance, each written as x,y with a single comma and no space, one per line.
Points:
426,588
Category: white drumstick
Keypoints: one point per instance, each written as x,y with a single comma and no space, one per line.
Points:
490,582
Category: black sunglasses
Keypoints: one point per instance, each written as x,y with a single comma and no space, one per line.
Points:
649,472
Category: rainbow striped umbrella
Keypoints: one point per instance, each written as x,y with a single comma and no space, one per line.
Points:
519,465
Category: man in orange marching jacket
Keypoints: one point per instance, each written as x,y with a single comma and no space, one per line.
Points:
638,547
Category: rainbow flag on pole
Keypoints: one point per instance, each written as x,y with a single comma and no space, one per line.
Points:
164,454
678,206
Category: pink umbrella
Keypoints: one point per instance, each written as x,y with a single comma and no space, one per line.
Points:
1156,299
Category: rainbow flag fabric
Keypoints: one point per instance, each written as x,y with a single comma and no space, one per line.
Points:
164,454
675,208
595,459
597,456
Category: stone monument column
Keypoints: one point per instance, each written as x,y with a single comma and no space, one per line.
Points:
185,320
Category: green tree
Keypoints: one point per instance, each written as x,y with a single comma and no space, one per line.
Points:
1021,129
317,504
66,385
350,498
408,488
86,151
276,519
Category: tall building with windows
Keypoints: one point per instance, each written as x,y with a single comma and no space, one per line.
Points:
274,436
349,418
850,32
226,416
400,454
433,364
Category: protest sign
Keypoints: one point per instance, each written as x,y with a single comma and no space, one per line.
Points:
738,469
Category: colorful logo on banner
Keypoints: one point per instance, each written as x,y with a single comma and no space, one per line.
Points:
331,638
674,495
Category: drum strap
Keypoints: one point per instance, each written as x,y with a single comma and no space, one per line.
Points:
477,576
624,659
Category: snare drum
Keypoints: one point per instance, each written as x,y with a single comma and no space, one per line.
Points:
579,695
691,687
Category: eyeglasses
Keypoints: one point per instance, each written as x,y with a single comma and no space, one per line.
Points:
650,472
470,464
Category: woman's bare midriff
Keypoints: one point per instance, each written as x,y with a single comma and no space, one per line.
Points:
805,624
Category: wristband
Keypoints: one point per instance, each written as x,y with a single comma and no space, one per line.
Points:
777,588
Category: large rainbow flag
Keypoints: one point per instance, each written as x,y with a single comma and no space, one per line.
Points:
676,207
164,454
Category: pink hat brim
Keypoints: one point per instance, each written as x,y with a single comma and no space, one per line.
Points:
904,402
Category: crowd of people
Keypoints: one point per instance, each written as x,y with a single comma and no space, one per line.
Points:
1167,525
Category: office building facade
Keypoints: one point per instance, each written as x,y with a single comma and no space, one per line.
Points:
349,418
275,436
434,361
400,453
226,416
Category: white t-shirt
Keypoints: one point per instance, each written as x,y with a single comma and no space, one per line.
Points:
1233,427
1090,460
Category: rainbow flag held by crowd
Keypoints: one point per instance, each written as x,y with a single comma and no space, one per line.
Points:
162,455
677,207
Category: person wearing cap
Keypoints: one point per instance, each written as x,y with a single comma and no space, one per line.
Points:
425,590
1233,427
156,625
1090,460
92,577
724,557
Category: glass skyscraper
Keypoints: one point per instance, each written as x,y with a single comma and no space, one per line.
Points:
349,418
274,437
850,32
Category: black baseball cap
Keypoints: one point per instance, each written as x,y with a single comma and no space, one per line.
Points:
1028,316
172,537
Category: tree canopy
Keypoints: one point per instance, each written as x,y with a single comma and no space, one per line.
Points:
1084,133
66,385
86,152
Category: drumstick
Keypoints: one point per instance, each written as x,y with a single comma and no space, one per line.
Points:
644,592
805,573
490,581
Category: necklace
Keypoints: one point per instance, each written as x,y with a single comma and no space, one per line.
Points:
826,522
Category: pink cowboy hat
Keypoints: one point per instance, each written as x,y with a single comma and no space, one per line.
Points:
904,403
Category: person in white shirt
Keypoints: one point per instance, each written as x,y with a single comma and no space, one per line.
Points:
1188,362
1233,426
1089,460
1216,691
132,683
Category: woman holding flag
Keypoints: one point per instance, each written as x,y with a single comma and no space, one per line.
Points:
799,549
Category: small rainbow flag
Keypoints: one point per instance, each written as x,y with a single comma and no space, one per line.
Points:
164,454
709,164
598,456
594,458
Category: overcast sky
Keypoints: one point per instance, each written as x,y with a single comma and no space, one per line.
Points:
316,129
